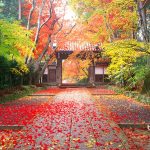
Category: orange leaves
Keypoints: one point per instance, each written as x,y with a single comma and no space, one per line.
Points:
26,8
42,17
98,21
108,19
77,69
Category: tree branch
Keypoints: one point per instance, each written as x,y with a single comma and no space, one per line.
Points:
30,13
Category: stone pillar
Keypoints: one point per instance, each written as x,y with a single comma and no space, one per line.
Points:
59,72
92,75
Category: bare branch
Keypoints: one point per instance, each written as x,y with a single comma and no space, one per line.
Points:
50,13
60,28
62,22
30,13
19,10
66,34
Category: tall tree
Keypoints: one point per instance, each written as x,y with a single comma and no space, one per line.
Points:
110,17
143,22
19,10
46,19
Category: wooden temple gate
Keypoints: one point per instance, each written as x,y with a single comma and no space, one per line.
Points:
96,73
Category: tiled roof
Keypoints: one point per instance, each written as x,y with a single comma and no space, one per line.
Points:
78,46
70,51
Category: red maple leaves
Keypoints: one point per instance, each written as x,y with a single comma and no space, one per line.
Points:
60,123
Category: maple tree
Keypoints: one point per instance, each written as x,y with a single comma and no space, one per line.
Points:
108,22
104,21
111,21
46,21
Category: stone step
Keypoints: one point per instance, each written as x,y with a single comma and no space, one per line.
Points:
137,125
11,127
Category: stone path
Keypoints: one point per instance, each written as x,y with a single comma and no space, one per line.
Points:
139,139
68,121
124,109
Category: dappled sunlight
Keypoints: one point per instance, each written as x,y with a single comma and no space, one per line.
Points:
66,97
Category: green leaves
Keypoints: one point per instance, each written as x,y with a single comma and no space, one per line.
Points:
123,55
15,44
129,65
14,39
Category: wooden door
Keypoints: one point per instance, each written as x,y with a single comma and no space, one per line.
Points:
52,75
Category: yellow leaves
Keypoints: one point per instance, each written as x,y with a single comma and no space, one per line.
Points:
7,142
20,70
75,139
123,54
15,39
24,68
115,97
116,14
91,142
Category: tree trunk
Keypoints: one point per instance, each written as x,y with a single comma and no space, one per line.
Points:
37,63
19,10
37,31
42,70
30,79
45,49
30,14
109,30
143,22
29,20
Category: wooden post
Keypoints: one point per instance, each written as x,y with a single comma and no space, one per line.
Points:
103,74
59,71
92,75
48,74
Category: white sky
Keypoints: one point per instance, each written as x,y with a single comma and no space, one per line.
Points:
70,15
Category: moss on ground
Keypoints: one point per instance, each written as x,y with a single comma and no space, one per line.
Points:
11,94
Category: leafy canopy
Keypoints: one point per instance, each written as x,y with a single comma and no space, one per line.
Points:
124,55
15,43
107,20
